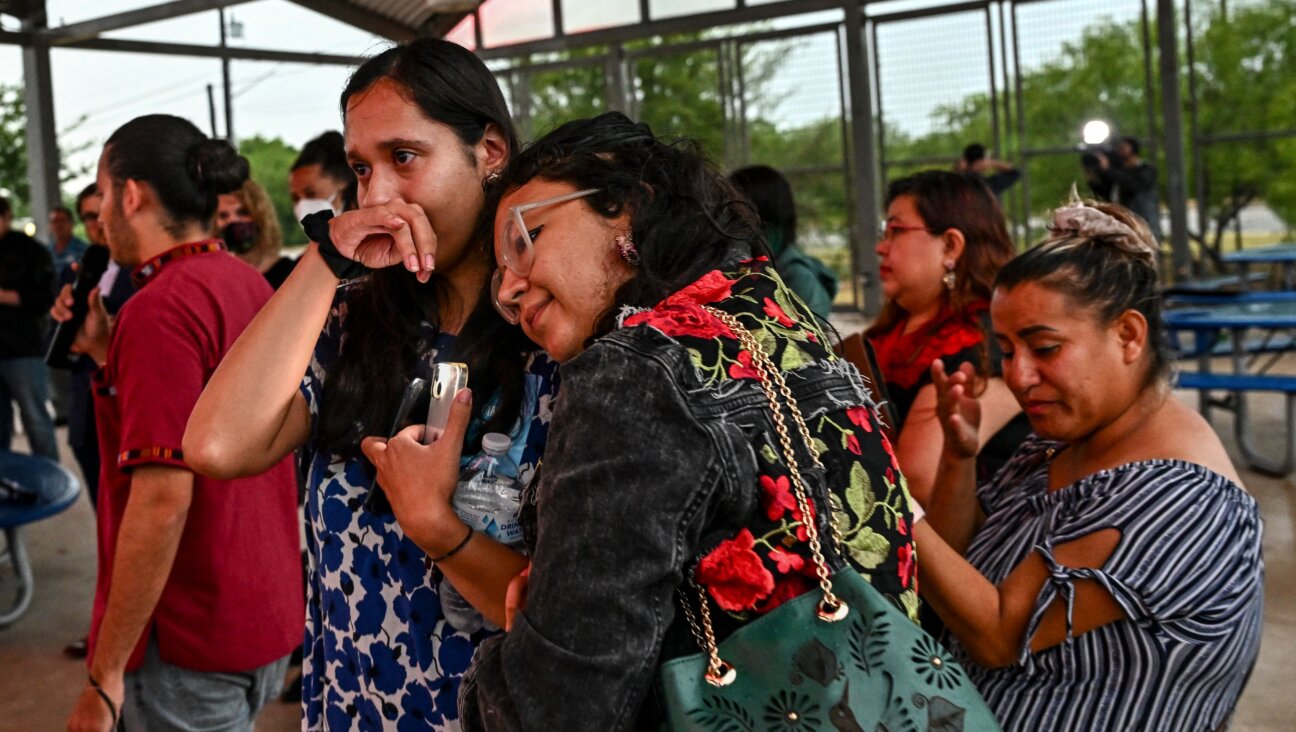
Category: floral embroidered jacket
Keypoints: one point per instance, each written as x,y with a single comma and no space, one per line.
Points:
662,458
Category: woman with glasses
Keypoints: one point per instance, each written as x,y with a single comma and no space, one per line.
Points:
383,293
942,243
620,255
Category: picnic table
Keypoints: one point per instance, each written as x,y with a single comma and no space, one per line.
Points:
1282,254
1213,322
31,488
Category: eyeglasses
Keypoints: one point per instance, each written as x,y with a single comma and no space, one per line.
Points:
515,248
890,231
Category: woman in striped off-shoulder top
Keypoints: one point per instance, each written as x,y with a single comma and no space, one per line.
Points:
1109,577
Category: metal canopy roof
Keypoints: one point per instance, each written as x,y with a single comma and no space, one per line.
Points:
399,20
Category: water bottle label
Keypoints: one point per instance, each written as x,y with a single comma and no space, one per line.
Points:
479,520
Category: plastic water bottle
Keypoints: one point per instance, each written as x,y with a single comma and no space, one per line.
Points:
487,499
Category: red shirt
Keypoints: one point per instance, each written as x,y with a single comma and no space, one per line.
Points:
233,601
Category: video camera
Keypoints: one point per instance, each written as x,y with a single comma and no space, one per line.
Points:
1098,140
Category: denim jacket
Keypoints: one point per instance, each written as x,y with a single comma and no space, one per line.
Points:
663,460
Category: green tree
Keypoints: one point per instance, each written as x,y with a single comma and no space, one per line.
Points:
271,160
13,151
13,146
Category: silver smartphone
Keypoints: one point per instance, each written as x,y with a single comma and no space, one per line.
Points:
447,380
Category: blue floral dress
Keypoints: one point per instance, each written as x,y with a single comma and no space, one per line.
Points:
378,653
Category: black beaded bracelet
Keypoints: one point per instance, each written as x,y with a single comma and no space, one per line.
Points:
455,551
317,230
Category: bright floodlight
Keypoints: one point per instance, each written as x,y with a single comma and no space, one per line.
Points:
1096,132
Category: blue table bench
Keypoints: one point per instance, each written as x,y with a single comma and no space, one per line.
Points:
41,488
1236,385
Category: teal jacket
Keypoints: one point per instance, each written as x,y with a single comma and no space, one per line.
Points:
809,278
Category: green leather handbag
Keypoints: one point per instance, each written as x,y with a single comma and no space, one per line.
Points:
840,657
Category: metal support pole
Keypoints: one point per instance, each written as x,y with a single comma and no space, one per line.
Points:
1172,116
211,109
42,142
744,138
995,139
1200,179
1024,212
863,160
615,82
225,78
1149,90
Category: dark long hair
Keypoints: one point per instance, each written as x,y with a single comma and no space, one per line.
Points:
385,312
685,218
186,169
771,194
947,201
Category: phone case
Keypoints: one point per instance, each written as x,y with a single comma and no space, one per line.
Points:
377,502
447,380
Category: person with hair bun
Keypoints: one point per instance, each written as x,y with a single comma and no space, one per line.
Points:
197,603
1110,576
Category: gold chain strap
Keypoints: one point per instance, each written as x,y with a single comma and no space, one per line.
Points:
831,608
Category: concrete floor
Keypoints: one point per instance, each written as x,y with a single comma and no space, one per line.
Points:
38,685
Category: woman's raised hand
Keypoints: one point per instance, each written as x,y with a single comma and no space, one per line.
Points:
420,480
957,408
389,234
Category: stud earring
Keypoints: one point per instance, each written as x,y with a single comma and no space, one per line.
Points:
626,248
491,179
950,279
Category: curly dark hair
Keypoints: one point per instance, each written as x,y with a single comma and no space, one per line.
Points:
685,217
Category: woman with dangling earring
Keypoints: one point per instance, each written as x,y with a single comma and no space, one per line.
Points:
383,293
942,243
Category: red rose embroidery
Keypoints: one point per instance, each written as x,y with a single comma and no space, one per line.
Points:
734,574
773,310
788,588
905,565
802,534
682,319
712,287
777,496
860,417
787,561
852,444
886,445
743,369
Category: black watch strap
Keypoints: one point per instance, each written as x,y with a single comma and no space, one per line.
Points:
317,230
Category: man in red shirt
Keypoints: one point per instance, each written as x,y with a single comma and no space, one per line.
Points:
198,600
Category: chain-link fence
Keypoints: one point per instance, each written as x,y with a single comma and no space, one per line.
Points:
1021,78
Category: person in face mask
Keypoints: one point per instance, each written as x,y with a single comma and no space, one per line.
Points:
246,220
321,178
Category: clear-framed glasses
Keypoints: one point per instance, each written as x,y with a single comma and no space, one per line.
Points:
514,248
890,230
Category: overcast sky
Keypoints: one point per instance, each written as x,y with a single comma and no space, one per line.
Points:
925,62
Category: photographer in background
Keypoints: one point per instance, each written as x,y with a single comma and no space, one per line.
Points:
1119,175
998,175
